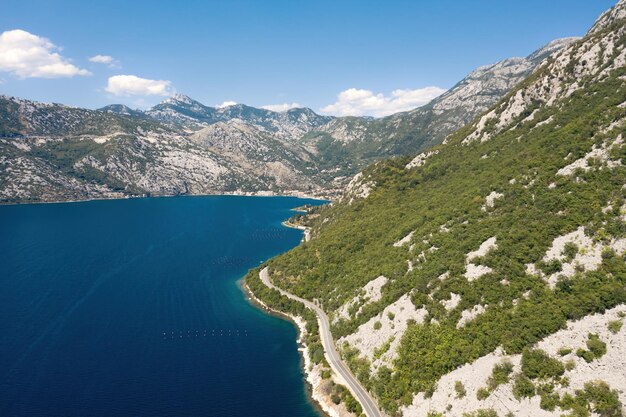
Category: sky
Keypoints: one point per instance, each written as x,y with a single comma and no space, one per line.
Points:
340,57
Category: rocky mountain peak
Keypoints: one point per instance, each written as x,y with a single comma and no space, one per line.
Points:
592,59
550,48
609,17
120,109
183,102
301,112
179,98
233,108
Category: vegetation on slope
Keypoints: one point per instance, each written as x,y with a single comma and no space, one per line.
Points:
443,203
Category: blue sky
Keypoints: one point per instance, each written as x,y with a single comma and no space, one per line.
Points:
268,52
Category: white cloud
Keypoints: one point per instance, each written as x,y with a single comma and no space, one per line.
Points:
30,56
106,60
359,102
281,107
226,104
131,85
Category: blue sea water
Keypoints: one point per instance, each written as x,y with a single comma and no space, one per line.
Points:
131,308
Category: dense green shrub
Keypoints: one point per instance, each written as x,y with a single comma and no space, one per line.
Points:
597,348
538,364
549,401
430,390
317,352
615,326
596,397
585,354
460,389
595,345
482,394
500,375
603,401
523,387
550,267
489,412
570,249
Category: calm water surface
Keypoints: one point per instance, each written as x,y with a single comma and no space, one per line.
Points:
131,308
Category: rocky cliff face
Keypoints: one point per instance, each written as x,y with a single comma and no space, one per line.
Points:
583,63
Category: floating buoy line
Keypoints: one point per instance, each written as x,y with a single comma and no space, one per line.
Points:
184,334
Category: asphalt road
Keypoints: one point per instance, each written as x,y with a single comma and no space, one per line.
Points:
332,356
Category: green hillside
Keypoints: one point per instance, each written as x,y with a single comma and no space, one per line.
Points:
569,116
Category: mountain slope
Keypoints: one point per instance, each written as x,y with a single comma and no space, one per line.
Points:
459,262
20,117
413,131
51,152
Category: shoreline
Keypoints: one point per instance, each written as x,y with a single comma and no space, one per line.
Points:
306,235
133,197
340,373
320,402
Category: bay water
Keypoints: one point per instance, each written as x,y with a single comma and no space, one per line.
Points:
132,308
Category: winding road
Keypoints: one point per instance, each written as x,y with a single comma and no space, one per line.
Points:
332,356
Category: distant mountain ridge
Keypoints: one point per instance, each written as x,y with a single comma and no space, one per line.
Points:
122,110
413,131
181,146
183,110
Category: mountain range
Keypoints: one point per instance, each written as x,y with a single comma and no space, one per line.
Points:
52,152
